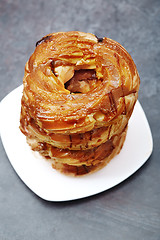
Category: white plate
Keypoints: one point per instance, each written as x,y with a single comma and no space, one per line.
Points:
49,184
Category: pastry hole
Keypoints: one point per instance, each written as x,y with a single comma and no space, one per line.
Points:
83,81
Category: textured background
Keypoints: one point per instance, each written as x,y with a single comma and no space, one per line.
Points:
132,209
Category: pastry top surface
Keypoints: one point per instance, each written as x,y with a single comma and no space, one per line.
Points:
74,80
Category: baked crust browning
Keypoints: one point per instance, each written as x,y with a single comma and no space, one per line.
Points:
79,93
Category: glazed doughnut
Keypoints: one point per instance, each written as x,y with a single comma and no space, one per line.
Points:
79,92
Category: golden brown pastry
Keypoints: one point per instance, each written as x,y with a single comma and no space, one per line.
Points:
79,93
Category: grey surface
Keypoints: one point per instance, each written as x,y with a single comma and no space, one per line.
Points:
130,210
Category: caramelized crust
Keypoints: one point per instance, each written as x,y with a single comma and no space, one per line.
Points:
79,93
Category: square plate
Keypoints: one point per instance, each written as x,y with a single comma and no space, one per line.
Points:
37,173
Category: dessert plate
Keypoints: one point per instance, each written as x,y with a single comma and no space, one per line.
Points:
37,173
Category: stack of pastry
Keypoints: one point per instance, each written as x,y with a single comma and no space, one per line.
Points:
79,92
